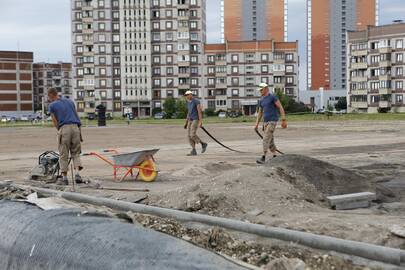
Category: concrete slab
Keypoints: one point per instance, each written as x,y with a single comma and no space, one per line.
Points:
351,201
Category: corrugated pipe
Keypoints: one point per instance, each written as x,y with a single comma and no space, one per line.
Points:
360,249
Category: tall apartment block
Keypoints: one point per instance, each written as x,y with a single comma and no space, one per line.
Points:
130,55
15,82
243,20
56,75
327,23
233,71
375,68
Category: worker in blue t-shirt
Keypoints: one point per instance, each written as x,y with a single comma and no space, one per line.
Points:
193,122
67,122
269,105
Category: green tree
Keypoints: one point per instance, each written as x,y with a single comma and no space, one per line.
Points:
284,99
341,104
169,107
181,108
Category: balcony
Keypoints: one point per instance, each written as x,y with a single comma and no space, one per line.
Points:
220,85
359,53
359,104
278,73
89,99
183,63
385,77
384,91
278,60
359,79
361,65
360,92
385,50
384,104
386,63
184,86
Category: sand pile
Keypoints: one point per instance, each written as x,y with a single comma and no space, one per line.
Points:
289,182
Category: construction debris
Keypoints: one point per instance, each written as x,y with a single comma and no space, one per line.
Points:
351,201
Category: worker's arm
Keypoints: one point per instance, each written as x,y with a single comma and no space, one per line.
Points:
54,121
282,112
185,125
259,118
199,115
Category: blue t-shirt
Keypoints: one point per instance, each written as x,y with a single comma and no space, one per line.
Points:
192,109
268,105
64,111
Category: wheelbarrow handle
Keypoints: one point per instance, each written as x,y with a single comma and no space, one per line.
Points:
110,151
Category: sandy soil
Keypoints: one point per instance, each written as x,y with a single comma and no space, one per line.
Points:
288,192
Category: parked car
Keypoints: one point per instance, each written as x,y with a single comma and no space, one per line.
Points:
320,111
91,116
235,114
222,114
159,115
5,119
24,118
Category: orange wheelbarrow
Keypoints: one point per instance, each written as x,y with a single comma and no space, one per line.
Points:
141,160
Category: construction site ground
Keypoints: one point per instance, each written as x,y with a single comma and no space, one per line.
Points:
288,192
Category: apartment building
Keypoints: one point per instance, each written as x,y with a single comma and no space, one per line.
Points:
244,20
47,75
130,55
234,69
15,83
375,69
327,23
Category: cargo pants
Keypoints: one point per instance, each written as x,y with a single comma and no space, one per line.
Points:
69,144
192,133
268,137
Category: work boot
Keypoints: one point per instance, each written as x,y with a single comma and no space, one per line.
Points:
78,179
261,160
192,153
204,147
62,181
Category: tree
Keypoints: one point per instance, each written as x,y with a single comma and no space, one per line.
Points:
341,104
181,108
169,107
289,104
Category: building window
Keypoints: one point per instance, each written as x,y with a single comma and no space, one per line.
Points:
101,37
155,3
265,69
156,48
169,48
235,92
169,71
103,94
399,85
289,57
117,82
235,69
116,15
169,13
156,59
399,57
117,106
116,38
193,25
169,93
116,26
399,99
79,49
103,83
169,59
235,81
168,36
399,71
235,58
290,80
169,25
156,25
289,68
399,44
264,79
211,81
277,79
265,57
100,3
116,49
101,14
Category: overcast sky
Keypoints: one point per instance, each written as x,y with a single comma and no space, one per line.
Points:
43,26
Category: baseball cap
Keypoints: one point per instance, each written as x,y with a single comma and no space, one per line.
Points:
188,92
262,85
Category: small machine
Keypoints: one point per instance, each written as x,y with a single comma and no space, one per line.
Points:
47,168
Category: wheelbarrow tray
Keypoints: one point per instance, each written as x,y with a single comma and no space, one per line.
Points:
134,158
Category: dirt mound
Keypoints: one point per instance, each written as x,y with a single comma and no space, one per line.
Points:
325,177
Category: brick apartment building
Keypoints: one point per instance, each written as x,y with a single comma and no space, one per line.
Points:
233,70
16,83
46,75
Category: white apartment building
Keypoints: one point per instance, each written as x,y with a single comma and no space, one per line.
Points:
375,69
233,71
130,55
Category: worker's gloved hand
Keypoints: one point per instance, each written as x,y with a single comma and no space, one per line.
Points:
283,123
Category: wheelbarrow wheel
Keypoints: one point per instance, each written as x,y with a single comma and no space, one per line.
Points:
148,175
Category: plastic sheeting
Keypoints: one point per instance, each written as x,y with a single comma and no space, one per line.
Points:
63,239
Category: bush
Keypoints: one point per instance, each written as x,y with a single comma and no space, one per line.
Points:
181,108
289,104
209,112
169,107
341,104
156,110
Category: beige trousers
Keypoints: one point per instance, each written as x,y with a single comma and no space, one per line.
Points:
268,137
69,142
192,133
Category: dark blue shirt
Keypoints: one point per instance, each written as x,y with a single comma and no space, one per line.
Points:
192,109
64,111
268,106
